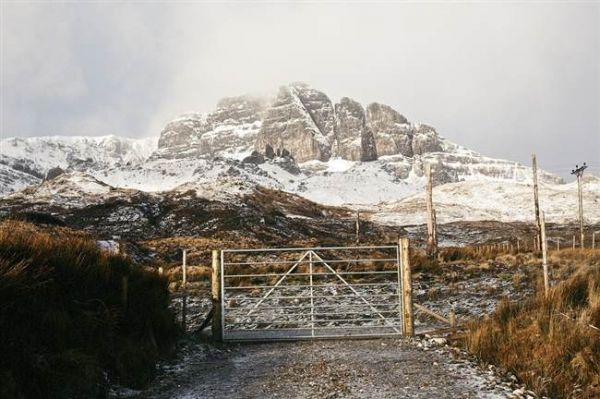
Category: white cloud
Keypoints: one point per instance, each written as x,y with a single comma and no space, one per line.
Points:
37,58
487,75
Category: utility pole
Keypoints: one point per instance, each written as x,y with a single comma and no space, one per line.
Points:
536,201
431,235
578,171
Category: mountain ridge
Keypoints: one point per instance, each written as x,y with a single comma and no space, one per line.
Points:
297,141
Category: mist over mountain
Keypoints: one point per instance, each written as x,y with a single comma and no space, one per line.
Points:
297,140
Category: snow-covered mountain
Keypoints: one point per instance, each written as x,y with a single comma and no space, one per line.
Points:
297,141
26,161
495,200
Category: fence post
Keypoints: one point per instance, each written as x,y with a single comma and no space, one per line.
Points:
408,325
544,254
573,243
184,269
217,327
184,289
357,227
452,318
593,240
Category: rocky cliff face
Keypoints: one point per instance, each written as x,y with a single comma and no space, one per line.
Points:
391,130
299,121
354,141
296,136
302,121
232,127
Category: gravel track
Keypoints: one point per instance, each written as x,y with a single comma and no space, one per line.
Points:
380,368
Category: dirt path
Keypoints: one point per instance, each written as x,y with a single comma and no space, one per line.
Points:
391,368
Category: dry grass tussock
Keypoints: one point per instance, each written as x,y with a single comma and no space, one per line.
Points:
65,328
548,341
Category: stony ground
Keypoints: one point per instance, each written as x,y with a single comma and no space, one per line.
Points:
380,368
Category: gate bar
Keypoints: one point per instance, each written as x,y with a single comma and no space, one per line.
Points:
276,262
275,286
316,296
317,306
305,249
262,287
352,289
308,274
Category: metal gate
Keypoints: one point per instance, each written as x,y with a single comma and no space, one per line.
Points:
305,293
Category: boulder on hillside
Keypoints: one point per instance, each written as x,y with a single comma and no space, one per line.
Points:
255,158
53,173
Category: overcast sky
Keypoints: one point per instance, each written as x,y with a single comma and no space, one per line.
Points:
505,79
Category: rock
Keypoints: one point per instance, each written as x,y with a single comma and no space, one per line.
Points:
54,172
255,158
289,124
319,106
391,130
181,130
353,140
269,152
425,139
368,146
438,341
233,125
288,164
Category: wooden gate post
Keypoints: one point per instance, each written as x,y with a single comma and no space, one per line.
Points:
217,327
408,325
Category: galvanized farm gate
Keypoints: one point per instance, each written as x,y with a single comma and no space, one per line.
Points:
307,293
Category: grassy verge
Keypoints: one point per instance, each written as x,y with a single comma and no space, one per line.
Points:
548,341
66,331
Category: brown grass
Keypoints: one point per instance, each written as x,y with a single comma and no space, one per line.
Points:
547,341
63,322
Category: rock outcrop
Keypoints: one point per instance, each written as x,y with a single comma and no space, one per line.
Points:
425,139
294,122
180,131
232,127
391,130
354,141
302,121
